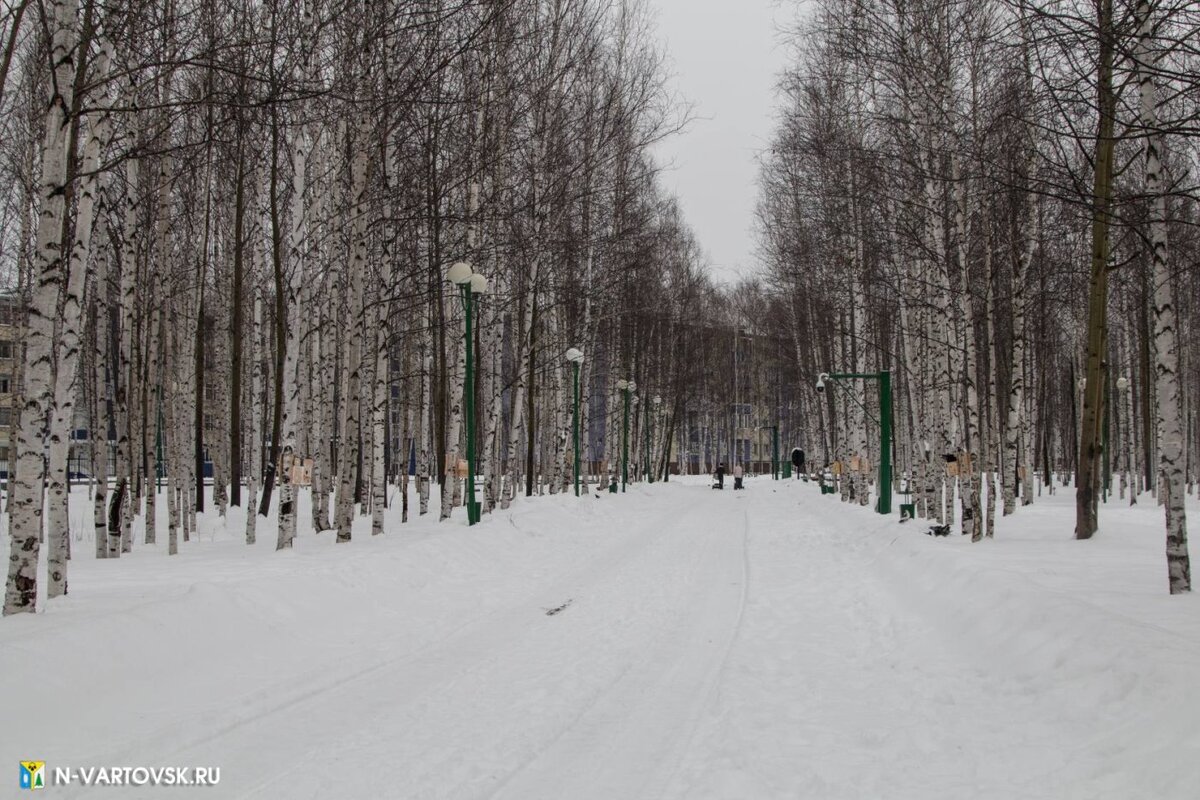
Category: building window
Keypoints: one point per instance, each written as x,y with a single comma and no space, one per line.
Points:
5,416
5,384
6,351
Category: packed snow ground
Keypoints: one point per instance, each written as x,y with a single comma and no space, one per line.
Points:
771,643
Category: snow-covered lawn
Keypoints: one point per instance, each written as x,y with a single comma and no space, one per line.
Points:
772,643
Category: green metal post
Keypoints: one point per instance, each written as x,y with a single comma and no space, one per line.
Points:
472,507
646,473
885,443
575,365
775,452
158,442
1104,445
625,444
668,446
884,505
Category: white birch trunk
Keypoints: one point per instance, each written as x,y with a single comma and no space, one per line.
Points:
69,348
450,481
26,494
348,459
380,403
1016,395
493,404
994,460
124,377
99,421
968,477
1166,346
423,431
158,271
255,460
296,244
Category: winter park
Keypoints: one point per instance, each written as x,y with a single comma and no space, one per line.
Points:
600,399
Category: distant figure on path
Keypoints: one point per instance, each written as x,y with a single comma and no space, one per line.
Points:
738,472
720,477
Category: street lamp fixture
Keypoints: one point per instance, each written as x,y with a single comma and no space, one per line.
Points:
575,356
459,273
470,283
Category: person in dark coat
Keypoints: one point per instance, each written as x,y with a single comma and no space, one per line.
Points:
720,476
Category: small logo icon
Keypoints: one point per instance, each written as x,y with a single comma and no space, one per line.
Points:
33,774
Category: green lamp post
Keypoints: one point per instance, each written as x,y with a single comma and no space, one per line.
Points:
575,356
627,388
775,452
884,380
1122,388
158,440
470,283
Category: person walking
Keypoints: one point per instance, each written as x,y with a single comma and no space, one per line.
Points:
720,476
738,473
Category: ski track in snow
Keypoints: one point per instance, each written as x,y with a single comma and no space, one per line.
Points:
767,644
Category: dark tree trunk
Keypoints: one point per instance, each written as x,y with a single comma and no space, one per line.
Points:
200,407
235,382
280,323
1089,474
530,394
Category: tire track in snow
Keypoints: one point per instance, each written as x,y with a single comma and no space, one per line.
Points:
719,676
424,667
631,738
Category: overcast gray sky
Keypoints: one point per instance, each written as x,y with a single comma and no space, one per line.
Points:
725,56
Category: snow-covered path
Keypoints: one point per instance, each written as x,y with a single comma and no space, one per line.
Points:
518,702
771,643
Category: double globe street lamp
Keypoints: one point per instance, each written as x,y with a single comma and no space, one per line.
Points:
470,283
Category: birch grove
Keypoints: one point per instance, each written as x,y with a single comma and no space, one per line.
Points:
232,274
227,227
1016,279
